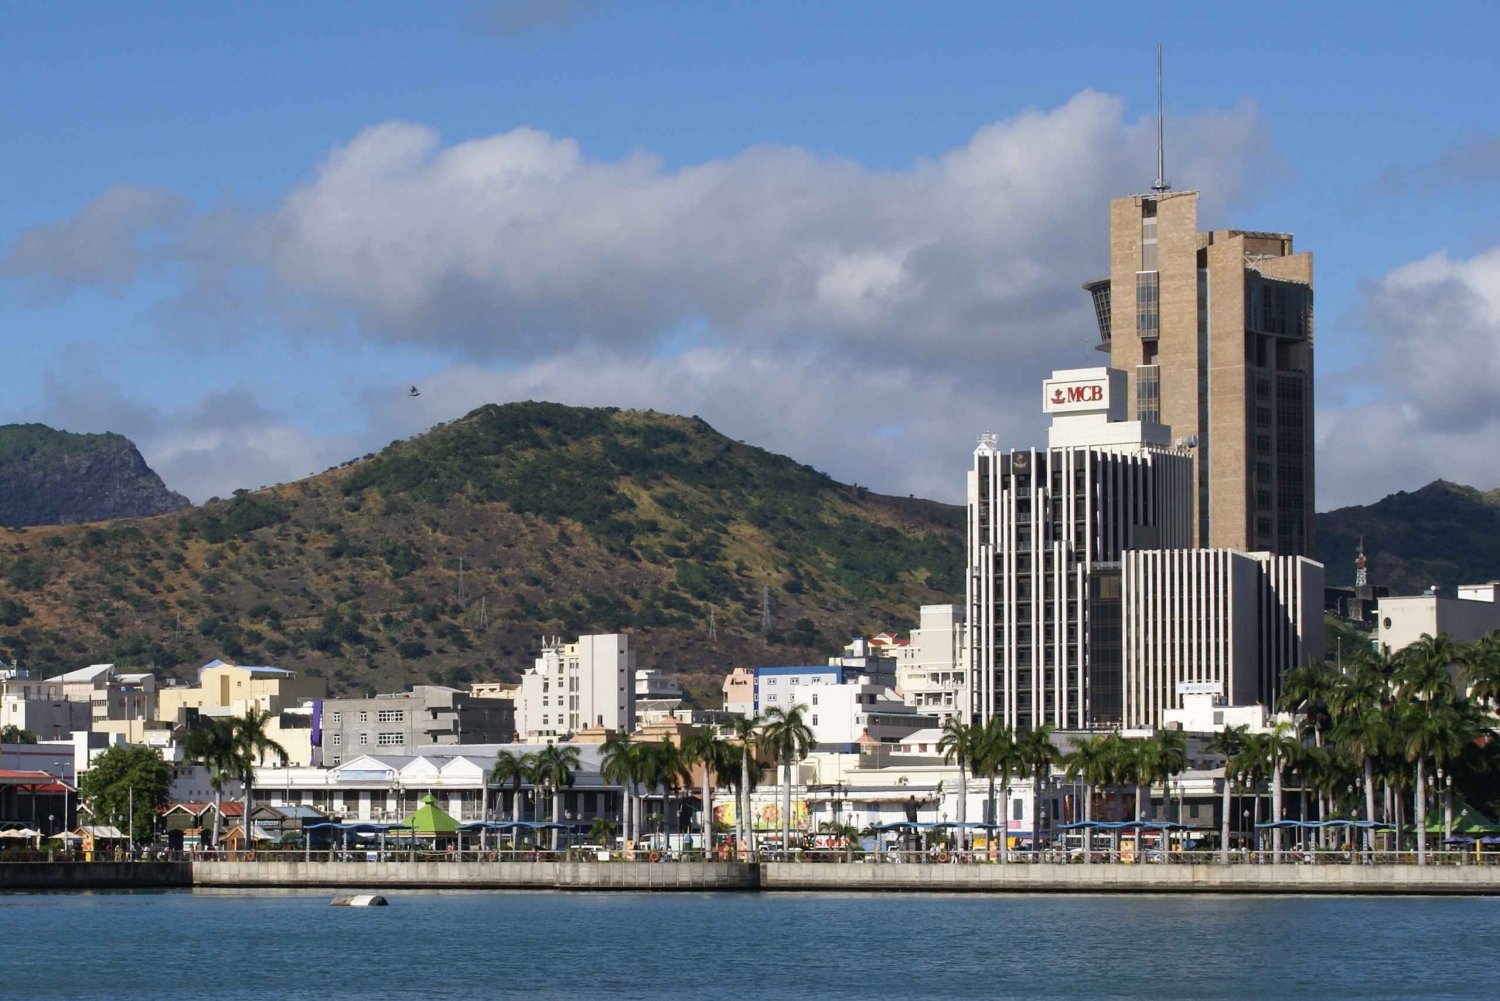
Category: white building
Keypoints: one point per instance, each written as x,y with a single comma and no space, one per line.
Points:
1041,524
573,686
1235,621
931,672
653,684
1402,621
842,706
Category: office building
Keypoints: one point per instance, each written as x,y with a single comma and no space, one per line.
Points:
1212,621
1043,526
1216,341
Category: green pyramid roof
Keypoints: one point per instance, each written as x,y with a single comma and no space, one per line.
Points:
1466,820
430,820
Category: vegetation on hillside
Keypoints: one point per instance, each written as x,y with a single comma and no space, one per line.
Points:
1444,534
446,558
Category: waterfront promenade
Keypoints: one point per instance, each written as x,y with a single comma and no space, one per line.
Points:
1389,879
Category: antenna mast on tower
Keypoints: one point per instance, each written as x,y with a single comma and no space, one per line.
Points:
1161,155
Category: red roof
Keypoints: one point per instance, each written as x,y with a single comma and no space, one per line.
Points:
35,781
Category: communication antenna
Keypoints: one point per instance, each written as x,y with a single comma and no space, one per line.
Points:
1361,566
461,580
713,629
765,609
1161,155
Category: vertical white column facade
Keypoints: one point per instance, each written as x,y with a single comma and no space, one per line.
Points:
1039,523
1215,616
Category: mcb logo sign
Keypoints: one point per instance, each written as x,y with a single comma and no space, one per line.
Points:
1063,395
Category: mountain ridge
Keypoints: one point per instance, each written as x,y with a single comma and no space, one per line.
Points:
566,519
52,477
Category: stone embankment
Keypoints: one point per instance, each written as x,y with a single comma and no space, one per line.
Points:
1469,880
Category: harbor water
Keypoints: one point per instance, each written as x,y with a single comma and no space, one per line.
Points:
181,944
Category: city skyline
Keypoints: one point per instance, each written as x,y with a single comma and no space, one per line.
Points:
209,243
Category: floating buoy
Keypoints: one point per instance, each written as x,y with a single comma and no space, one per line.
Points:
360,900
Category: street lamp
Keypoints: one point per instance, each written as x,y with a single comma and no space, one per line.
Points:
62,781
1248,834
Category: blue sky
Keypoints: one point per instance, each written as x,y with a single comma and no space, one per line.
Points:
852,233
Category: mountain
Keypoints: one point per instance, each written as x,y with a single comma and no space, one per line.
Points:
50,477
448,556
1443,534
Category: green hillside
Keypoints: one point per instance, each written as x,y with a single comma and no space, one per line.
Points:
1443,534
566,520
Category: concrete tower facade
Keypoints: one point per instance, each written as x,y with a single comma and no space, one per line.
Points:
1215,337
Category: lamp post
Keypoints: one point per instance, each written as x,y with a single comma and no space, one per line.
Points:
1249,835
63,781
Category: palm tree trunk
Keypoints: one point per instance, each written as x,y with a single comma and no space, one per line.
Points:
557,797
249,842
708,814
218,810
744,836
1224,810
1276,811
1448,811
1420,802
1036,813
786,807
1088,818
963,799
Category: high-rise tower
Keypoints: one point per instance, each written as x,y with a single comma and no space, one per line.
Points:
1216,340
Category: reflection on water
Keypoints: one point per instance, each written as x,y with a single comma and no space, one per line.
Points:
292,944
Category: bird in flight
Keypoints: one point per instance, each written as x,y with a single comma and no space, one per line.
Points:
413,392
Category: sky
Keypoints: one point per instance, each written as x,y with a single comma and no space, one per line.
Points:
853,233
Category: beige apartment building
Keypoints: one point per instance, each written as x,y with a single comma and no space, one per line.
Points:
1216,341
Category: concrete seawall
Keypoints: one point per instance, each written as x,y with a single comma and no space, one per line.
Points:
33,876
482,875
1044,878
772,876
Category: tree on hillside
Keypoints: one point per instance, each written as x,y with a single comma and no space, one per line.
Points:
127,781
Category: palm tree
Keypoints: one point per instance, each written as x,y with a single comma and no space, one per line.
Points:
557,764
1306,691
619,763
786,736
252,742
1037,754
998,758
1169,754
717,758
1089,762
508,770
1226,742
1280,747
1480,663
745,731
213,747
1361,732
958,744
1253,765
602,831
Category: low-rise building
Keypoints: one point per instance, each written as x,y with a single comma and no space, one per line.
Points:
1472,614
397,723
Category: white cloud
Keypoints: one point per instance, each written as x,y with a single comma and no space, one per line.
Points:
867,322
1434,330
101,245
